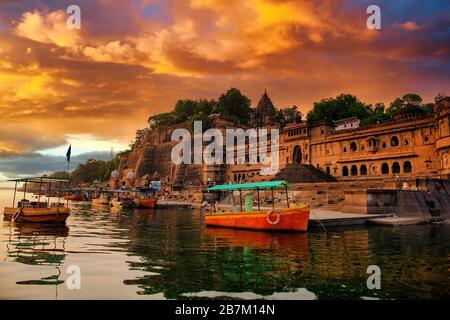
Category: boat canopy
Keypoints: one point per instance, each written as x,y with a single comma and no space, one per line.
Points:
41,180
252,186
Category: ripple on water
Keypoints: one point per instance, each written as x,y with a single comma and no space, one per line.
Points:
169,254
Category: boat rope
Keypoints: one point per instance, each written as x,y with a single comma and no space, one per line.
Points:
320,222
16,215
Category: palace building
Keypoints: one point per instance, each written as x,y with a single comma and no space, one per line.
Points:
412,145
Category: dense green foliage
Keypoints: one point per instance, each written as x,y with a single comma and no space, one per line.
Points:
346,106
399,103
94,169
232,105
341,107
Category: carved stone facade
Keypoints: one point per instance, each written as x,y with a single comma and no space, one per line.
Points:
415,145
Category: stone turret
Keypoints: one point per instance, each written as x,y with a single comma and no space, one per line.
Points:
265,113
442,119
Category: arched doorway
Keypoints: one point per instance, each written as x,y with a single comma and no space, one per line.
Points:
395,168
407,167
297,156
363,170
384,168
345,171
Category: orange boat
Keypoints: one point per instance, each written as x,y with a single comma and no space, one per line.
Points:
37,211
146,197
146,203
292,218
75,197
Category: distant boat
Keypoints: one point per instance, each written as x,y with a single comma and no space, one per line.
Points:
75,197
146,197
291,218
38,211
123,203
102,200
122,199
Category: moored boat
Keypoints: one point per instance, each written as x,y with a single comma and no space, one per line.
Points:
75,197
146,197
100,201
122,199
37,211
122,203
291,218
103,200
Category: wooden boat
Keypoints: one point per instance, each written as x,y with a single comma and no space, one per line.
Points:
149,203
122,203
291,218
146,197
37,211
75,197
103,199
100,201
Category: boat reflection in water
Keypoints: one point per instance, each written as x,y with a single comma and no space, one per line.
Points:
38,244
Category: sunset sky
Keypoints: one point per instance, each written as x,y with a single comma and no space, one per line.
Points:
131,59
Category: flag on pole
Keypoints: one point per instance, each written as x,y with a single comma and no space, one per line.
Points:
69,152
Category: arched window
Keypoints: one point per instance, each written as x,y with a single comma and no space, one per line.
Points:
345,171
395,168
353,146
345,149
363,170
385,168
406,142
354,170
328,170
407,167
394,141
384,145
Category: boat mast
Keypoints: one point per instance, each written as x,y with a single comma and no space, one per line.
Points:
287,197
49,193
40,186
25,189
240,196
273,199
257,192
15,190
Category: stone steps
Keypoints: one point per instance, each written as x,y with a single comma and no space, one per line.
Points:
303,173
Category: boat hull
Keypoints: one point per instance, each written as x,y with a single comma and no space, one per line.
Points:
147,203
39,215
295,219
123,204
100,202
74,198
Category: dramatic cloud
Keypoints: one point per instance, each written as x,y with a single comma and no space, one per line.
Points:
132,59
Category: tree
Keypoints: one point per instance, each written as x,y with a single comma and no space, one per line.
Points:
395,106
341,107
292,115
234,106
412,98
378,114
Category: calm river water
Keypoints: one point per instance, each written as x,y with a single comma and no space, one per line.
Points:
168,254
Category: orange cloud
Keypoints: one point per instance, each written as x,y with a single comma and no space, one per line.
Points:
105,80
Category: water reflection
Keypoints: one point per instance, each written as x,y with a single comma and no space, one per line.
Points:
41,245
170,254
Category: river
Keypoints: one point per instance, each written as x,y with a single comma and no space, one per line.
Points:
169,254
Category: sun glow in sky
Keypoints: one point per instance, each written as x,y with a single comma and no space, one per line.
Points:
94,87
